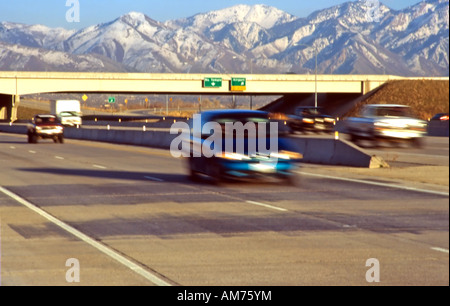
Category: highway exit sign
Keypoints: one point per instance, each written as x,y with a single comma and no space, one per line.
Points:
212,82
238,84
112,100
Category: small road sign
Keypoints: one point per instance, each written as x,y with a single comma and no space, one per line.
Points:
212,83
238,84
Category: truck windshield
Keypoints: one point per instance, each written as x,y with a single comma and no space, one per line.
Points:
309,111
69,114
393,112
45,120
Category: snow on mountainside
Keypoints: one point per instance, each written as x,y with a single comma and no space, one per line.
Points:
260,39
413,41
38,36
263,15
20,58
425,35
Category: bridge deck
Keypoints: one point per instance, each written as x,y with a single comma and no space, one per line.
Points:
24,83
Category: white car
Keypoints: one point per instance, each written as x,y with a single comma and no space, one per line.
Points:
389,122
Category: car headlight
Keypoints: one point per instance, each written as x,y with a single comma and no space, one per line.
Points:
286,155
232,156
330,120
307,120
382,124
419,127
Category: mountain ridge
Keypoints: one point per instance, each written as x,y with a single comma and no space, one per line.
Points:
261,39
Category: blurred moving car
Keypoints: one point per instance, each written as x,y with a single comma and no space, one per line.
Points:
387,122
311,119
438,126
243,145
440,117
45,127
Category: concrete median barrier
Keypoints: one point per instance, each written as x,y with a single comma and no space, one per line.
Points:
326,151
155,139
14,129
329,151
438,128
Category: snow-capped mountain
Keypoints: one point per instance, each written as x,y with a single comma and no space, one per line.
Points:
348,38
347,41
265,16
20,58
37,36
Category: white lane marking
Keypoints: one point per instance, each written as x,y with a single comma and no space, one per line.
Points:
32,152
99,167
59,157
417,154
99,246
376,183
153,178
440,250
12,147
266,205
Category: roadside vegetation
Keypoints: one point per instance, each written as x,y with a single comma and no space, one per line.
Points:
25,113
426,97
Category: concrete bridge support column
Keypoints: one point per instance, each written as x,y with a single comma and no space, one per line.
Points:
8,107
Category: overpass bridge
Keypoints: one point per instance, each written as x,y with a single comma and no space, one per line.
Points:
15,84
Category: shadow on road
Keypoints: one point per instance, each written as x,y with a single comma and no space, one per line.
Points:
111,174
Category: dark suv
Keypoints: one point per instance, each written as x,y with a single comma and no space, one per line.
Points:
311,119
45,127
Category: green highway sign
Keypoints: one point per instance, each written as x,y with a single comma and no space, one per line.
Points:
212,82
112,100
238,84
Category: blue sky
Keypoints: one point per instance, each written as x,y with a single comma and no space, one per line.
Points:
52,13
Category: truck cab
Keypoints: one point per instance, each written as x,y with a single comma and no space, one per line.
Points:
387,122
45,127
70,118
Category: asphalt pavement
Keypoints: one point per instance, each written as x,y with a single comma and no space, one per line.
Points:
129,216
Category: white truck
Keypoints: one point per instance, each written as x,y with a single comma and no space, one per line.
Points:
67,111
386,122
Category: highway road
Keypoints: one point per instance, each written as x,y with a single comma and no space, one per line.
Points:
129,216
434,151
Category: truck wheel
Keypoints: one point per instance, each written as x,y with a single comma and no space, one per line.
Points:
32,138
61,139
215,174
292,179
376,143
193,175
354,138
417,143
